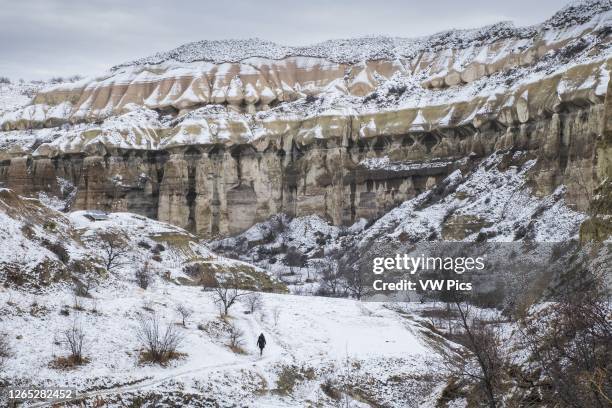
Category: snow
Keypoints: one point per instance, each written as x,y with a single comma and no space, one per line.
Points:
500,198
384,163
371,48
576,29
13,96
319,333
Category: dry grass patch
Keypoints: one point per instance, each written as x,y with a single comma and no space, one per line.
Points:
146,357
68,362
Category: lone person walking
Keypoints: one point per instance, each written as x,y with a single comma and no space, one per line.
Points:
261,343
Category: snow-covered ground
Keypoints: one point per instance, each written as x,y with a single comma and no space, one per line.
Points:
312,333
314,343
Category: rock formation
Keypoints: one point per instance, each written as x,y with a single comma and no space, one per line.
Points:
216,136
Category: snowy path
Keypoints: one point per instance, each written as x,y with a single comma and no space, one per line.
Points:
312,332
273,352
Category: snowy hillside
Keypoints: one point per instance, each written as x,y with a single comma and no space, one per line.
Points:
41,246
309,343
487,201
55,274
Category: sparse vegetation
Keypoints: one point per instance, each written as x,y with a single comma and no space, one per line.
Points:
72,339
5,350
113,249
253,301
144,276
184,312
84,285
236,340
160,345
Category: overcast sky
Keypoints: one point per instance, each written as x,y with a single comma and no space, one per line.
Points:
44,38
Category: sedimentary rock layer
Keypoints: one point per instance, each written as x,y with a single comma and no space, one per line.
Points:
215,136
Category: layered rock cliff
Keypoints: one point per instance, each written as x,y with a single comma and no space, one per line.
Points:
216,136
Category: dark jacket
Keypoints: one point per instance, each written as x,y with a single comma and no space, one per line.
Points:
261,341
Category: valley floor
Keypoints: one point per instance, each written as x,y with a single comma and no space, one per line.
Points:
319,350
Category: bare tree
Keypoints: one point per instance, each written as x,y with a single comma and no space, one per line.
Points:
227,292
253,301
184,312
73,339
484,362
113,248
331,280
355,284
571,342
295,258
143,275
160,345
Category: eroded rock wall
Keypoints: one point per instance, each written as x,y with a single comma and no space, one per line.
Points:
218,189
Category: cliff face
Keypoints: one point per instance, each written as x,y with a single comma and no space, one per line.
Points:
216,136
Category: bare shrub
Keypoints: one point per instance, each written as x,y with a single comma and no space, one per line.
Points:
77,305
254,301
235,338
184,312
72,339
159,345
144,275
331,281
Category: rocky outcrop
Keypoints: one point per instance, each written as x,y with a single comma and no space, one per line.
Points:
216,136
218,189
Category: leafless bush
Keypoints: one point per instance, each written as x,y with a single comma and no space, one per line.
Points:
73,340
94,305
331,281
253,301
160,345
77,305
235,338
184,312
144,276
